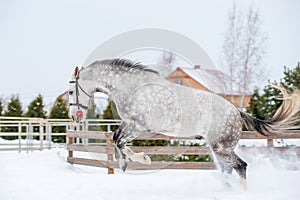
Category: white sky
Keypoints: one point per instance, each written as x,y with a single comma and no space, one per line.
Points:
42,41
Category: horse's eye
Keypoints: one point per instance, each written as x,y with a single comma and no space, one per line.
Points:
70,92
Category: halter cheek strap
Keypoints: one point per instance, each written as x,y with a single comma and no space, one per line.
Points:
77,87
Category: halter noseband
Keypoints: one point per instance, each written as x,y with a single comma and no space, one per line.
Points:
77,87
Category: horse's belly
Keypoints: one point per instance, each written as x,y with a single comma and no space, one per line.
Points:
178,120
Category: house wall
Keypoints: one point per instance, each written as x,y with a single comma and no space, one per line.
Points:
179,77
236,100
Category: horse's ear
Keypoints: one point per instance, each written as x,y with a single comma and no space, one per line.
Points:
76,72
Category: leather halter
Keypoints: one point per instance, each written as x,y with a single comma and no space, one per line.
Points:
77,87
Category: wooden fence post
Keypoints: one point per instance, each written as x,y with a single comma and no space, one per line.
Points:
70,141
41,136
110,157
19,136
270,142
48,135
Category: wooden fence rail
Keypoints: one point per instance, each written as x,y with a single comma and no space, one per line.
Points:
24,131
105,147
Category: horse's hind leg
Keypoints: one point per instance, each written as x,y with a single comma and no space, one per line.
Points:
225,168
236,163
233,162
224,151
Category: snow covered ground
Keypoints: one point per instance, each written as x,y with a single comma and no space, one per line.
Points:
46,175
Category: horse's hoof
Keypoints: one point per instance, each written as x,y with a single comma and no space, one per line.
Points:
147,160
243,182
142,158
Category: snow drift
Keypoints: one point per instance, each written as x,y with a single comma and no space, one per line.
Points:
46,175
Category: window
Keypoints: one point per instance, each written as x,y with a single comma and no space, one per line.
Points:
180,82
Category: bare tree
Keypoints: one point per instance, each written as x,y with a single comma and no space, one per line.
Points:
252,51
231,44
243,50
166,63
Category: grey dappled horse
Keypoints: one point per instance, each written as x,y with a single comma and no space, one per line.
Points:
148,103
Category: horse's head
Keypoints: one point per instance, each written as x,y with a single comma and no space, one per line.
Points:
78,98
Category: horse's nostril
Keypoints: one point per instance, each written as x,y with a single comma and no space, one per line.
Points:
72,117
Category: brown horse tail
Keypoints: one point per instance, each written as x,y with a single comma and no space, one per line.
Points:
286,116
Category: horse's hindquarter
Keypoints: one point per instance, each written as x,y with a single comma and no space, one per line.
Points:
203,113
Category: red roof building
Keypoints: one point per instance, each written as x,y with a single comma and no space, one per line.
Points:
213,81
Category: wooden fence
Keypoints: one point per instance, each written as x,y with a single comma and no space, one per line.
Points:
106,149
24,131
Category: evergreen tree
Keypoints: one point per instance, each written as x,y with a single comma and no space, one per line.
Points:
59,111
36,108
91,114
264,106
110,113
255,105
291,79
14,109
1,107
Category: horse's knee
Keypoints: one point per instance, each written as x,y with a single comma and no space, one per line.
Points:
117,135
119,154
117,139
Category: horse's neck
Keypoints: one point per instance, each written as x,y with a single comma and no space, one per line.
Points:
91,81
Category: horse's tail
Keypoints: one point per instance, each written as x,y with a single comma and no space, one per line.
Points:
284,118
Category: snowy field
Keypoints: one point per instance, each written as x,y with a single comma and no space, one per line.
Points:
46,175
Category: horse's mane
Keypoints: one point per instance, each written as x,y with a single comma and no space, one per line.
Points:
125,63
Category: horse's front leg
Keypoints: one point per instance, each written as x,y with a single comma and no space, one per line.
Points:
119,146
123,135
